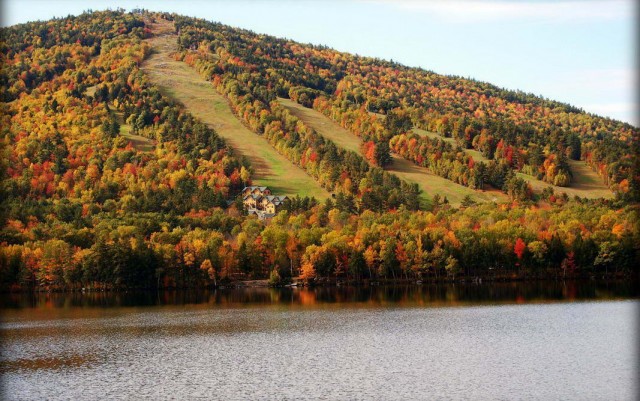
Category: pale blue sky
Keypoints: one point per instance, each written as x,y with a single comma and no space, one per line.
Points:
580,52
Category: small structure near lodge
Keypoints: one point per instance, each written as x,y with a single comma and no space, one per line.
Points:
261,202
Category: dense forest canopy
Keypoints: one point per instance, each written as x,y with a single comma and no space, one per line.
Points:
107,182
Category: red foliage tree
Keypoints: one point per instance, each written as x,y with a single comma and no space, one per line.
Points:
519,248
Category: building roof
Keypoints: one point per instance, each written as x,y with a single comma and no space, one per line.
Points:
276,200
251,188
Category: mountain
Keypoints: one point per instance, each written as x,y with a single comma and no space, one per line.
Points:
129,137
387,104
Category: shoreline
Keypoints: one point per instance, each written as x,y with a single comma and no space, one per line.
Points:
334,283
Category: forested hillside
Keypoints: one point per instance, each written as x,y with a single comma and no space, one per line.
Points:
382,102
109,182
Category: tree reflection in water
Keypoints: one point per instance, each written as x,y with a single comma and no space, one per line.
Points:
391,295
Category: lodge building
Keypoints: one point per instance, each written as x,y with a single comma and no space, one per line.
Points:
261,202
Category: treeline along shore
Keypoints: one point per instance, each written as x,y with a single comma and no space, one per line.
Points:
325,245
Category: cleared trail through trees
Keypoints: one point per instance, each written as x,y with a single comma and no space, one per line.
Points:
182,83
585,183
428,182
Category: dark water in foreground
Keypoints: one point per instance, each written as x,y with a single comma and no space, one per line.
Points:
574,341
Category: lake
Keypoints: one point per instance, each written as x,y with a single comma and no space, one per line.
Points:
569,341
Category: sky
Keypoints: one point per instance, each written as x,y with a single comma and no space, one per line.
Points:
580,52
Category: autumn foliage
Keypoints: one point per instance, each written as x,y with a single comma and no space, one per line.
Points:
107,183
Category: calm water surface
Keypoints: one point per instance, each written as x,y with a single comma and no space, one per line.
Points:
540,341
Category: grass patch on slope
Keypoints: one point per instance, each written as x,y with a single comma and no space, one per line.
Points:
428,182
585,184
182,83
